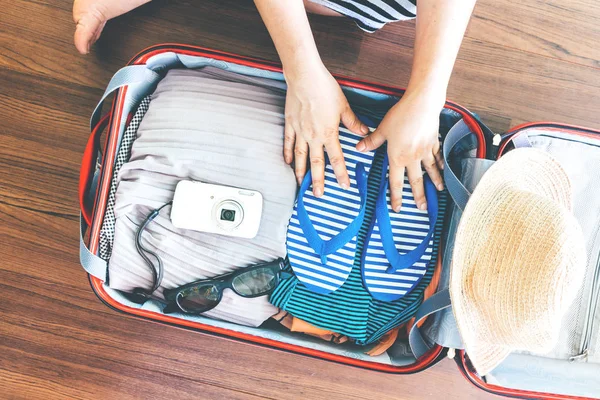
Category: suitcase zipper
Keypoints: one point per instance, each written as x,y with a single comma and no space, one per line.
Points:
451,353
588,328
496,142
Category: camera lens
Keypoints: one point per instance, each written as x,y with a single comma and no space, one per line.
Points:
227,215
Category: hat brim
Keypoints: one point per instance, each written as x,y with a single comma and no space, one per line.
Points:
532,170
485,357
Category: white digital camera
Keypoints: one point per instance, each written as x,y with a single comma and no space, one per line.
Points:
217,209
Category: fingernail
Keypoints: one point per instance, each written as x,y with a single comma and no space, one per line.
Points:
318,192
364,129
361,146
423,206
397,208
345,185
89,45
440,187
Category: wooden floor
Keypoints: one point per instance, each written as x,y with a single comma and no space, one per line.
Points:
521,61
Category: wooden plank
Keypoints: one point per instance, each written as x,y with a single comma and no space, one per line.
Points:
495,80
564,30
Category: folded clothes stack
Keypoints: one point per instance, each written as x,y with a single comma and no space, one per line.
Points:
210,126
357,270
360,269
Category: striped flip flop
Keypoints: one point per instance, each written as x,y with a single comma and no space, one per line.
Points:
399,246
321,237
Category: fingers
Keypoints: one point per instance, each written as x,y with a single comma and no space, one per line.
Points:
317,169
371,142
302,149
396,185
300,156
431,166
415,178
351,121
336,159
289,139
437,153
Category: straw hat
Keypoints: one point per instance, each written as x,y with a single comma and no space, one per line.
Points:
518,261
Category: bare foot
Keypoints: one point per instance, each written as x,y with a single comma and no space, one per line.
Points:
91,16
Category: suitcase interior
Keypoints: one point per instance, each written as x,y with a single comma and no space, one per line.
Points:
398,358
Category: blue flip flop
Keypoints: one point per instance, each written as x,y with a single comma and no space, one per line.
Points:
399,246
321,237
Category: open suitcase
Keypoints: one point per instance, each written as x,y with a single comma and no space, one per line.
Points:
574,369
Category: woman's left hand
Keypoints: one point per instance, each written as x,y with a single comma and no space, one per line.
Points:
411,129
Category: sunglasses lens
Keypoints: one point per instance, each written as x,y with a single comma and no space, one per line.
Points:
255,282
198,298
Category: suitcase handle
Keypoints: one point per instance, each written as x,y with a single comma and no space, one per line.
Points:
457,190
438,302
87,170
140,80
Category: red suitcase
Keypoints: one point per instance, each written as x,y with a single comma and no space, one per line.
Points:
95,182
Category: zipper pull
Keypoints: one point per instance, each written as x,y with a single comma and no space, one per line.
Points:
496,142
579,357
497,139
451,353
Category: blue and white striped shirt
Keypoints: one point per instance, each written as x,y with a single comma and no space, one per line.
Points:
371,15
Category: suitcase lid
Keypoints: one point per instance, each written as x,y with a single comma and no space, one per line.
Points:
522,136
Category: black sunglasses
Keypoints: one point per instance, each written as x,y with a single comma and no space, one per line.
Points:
203,295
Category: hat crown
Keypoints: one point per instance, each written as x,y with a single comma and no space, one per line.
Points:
518,259
520,284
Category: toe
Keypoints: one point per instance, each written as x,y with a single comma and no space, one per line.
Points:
91,16
87,31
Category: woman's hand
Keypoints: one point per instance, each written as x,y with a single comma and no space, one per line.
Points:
314,107
315,104
411,126
411,130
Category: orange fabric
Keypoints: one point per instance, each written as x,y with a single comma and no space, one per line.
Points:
284,318
429,291
297,325
384,343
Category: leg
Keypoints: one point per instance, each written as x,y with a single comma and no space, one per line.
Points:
91,16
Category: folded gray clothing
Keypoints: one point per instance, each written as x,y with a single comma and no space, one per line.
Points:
211,126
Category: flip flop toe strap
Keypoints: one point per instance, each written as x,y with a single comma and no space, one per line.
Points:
325,247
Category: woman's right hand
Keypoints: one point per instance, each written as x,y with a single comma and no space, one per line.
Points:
315,105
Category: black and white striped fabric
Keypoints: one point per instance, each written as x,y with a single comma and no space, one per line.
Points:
107,233
371,15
